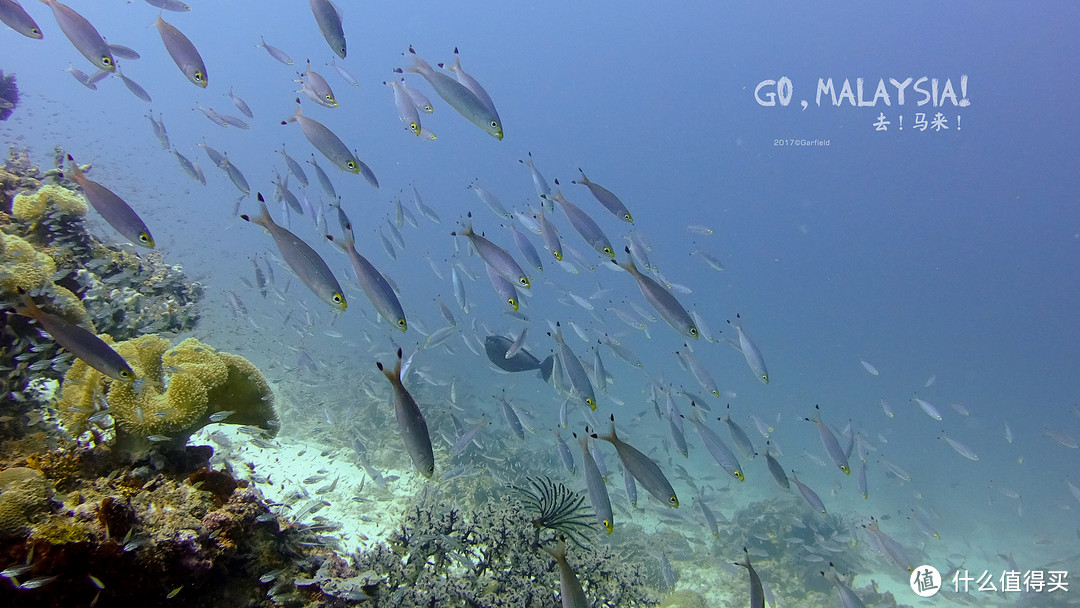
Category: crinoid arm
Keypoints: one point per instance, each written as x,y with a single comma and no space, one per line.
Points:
556,507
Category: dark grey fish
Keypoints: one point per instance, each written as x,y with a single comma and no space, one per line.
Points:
496,257
83,35
375,286
662,300
471,84
809,494
411,422
116,212
579,380
458,96
584,225
757,594
777,471
644,470
15,17
739,436
183,52
496,348
606,198
573,596
327,142
329,19
594,481
304,261
506,290
81,342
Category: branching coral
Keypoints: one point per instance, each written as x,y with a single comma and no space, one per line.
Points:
176,391
485,557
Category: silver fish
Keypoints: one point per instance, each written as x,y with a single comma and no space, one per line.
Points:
490,200
458,96
186,165
295,168
123,52
830,443
324,179
606,198
275,52
751,353
329,19
116,212
410,421
539,183
83,35
566,455
406,109
170,5
526,248
235,175
316,88
134,87
240,104
550,235
183,52
419,100
809,494
303,260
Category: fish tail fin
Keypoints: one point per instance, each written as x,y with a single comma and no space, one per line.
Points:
29,308
76,172
559,552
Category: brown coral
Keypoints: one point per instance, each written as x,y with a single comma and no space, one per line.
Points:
23,496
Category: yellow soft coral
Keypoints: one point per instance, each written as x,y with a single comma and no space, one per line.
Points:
175,392
32,206
22,266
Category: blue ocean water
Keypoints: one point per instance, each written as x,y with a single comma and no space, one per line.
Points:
948,254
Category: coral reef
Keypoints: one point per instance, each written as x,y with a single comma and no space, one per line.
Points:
484,556
143,537
9,95
23,496
788,545
46,251
176,391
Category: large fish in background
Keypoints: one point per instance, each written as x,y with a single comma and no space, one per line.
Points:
523,361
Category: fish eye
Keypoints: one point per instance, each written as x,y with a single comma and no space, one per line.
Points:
198,76
106,60
330,98
351,165
608,251
494,124
402,323
512,302
628,218
338,298
524,282
673,500
693,331
125,374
